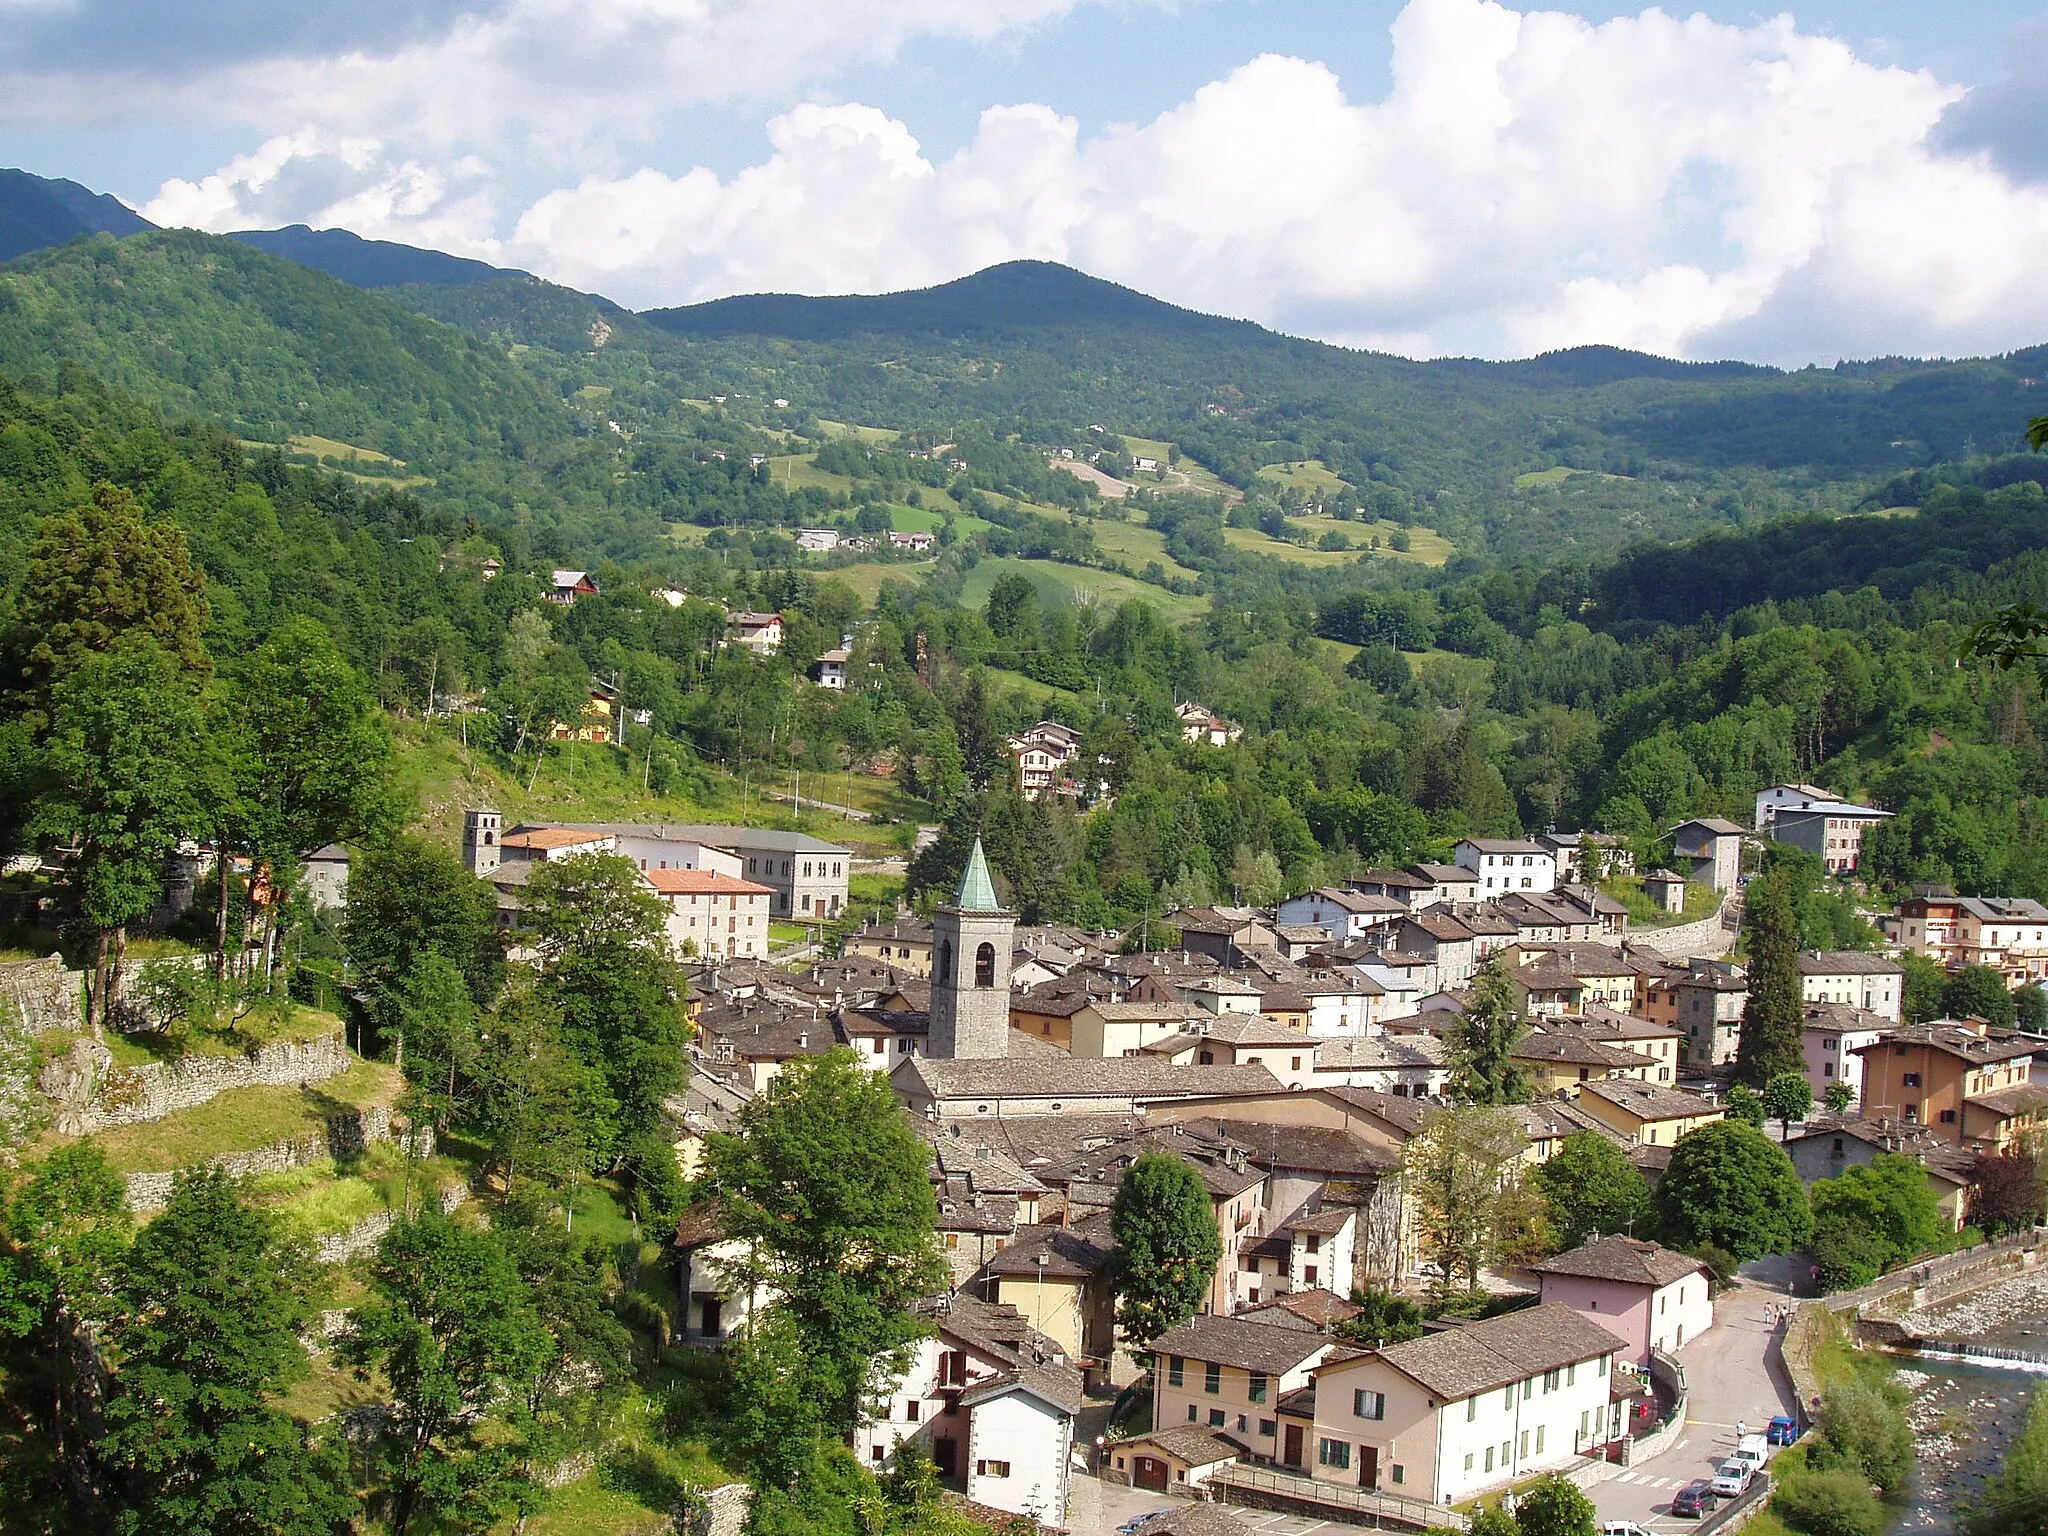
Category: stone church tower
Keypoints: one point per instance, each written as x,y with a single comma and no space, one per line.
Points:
971,970
480,850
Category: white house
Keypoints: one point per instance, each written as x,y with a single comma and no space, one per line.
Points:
1343,914
1467,1409
713,913
993,1400
1508,864
1833,1035
760,633
830,669
1870,982
817,541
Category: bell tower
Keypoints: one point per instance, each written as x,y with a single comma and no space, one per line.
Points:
480,837
971,938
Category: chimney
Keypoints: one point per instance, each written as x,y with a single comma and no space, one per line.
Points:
803,1039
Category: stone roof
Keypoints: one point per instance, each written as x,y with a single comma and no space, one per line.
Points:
1196,1446
1274,1348
1960,1040
1515,845
1000,1334
1626,1260
1071,1253
1065,1076
1327,1222
2007,1102
1314,1148
1479,1357
1575,1050
1720,826
1364,1053
1846,962
1193,1520
1647,1102
1323,1308
1405,1113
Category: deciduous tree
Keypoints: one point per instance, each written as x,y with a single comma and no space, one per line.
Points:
1788,1096
452,1330
1455,1167
1167,1245
829,1189
210,1300
1730,1185
1592,1188
1978,991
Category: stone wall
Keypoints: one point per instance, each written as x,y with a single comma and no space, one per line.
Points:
1708,937
345,1135
721,1511
43,992
339,1247
91,1094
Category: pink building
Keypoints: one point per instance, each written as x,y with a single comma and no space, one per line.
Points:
1649,1297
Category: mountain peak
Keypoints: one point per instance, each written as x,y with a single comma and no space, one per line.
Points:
1013,296
369,263
39,211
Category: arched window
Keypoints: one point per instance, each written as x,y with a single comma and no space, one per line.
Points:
945,971
985,966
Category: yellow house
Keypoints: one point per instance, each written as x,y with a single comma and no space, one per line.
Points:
1643,1037
1058,1279
1565,1060
1653,1116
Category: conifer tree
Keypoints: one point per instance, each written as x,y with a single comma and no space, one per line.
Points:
1772,1039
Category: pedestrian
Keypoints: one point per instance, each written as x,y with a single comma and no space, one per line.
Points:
1741,1429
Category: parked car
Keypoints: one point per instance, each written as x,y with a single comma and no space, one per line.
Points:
1624,1528
1783,1430
1135,1521
1732,1477
1695,1500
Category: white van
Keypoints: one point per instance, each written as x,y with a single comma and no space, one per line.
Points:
1754,1449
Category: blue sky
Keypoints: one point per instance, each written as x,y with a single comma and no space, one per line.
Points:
1429,176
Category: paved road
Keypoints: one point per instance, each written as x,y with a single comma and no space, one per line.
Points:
1733,1376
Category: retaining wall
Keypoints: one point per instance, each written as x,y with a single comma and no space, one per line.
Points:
91,1094
1708,937
340,1247
44,993
345,1135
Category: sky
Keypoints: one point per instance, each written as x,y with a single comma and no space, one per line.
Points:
1847,178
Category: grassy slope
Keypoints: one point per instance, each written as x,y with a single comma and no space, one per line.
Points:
445,780
1057,583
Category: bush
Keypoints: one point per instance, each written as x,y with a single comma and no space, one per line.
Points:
1863,1430
1829,1504
1723,1263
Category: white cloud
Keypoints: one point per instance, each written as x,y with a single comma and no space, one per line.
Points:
1530,180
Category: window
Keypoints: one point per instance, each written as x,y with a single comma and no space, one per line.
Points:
1507,1452
1603,1365
1243,1424
1335,1454
1550,1380
911,1410
1471,1408
1400,1473
1571,1374
1468,1460
991,1469
1539,1439
1258,1393
1489,1458
1912,1079
1525,1444
1528,1389
1193,1415
1310,1276
945,969
1315,1243
1175,1367
1948,1117
1268,1428
1212,1378
1217,1418
985,966
876,1452
1508,1397
1369,1405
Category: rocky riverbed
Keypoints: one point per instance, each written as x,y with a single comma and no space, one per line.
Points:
1964,1416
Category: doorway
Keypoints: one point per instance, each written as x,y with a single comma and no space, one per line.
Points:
1368,1466
1293,1453
1149,1473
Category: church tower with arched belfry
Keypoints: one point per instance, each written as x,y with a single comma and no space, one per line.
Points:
971,938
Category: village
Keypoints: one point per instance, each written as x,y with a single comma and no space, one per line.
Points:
1290,1055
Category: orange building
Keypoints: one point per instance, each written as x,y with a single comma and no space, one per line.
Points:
1967,1082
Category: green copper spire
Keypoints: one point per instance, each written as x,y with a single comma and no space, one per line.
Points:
977,892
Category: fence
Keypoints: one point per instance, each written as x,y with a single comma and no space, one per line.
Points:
1264,1487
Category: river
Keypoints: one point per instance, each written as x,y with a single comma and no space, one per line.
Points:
1964,1416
